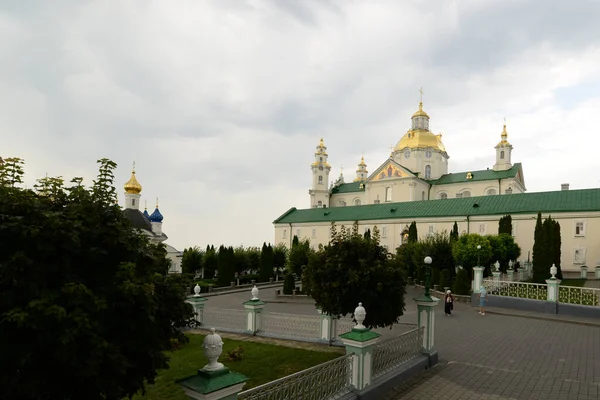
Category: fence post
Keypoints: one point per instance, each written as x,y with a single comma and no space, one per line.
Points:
214,381
598,270
254,307
477,279
426,320
583,272
510,275
496,274
197,301
327,326
553,284
360,342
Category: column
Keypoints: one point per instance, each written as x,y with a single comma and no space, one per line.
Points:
583,272
197,301
214,381
327,327
598,270
360,341
511,275
477,279
253,307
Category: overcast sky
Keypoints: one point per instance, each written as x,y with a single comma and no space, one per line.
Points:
221,103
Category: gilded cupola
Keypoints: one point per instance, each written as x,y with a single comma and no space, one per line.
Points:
419,136
132,186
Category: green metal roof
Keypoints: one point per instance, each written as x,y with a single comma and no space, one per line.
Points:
521,203
481,175
348,188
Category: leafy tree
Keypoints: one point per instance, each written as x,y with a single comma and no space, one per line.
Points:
254,259
513,251
466,254
413,235
439,247
505,225
242,261
11,171
192,260
454,233
266,263
498,253
211,262
462,283
445,279
299,256
85,299
352,269
289,284
280,254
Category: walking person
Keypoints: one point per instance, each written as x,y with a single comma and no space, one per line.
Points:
448,303
482,298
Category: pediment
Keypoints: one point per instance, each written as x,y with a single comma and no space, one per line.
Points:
390,170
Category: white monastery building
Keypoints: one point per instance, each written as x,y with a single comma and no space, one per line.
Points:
414,184
148,224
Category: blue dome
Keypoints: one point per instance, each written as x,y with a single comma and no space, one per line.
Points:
146,214
156,216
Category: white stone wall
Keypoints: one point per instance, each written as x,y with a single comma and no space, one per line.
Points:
523,227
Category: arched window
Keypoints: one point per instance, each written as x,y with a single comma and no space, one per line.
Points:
502,154
342,203
466,193
427,171
491,192
357,202
443,196
320,179
388,194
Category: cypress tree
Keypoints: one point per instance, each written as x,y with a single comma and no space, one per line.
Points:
557,246
367,234
413,235
295,241
539,258
505,225
266,263
454,232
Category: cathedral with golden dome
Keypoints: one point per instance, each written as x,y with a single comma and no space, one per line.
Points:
148,224
416,170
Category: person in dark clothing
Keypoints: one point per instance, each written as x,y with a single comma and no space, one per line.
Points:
448,303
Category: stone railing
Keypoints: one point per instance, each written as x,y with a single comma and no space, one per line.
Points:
579,295
331,379
523,290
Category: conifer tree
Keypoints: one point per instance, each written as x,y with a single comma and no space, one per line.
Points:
454,232
266,263
505,225
413,235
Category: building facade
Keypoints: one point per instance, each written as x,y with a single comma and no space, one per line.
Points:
414,184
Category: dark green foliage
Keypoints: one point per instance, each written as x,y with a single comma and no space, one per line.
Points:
352,269
242,260
280,255
192,260
454,233
226,266
295,241
462,283
546,249
87,309
413,235
289,284
266,263
435,276
505,225
211,262
298,257
445,278
367,234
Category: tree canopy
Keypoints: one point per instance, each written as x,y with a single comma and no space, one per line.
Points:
546,249
353,269
87,309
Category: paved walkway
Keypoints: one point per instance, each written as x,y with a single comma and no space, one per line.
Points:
495,356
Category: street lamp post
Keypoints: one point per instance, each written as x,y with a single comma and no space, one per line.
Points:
427,261
478,251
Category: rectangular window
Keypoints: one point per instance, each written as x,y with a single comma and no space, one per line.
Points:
298,233
284,233
482,228
320,179
580,228
514,229
376,202
431,229
314,233
384,232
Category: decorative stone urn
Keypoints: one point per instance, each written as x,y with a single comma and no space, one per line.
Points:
197,290
553,271
255,293
497,266
359,315
213,347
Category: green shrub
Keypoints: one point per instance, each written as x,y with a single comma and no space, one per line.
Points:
289,284
435,276
462,284
444,279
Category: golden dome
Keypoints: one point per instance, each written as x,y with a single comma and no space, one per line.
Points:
420,140
321,143
362,162
504,137
420,112
133,186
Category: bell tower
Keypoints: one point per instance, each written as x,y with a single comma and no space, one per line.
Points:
319,192
503,152
361,171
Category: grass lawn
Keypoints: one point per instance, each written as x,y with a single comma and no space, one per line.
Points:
573,282
261,363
